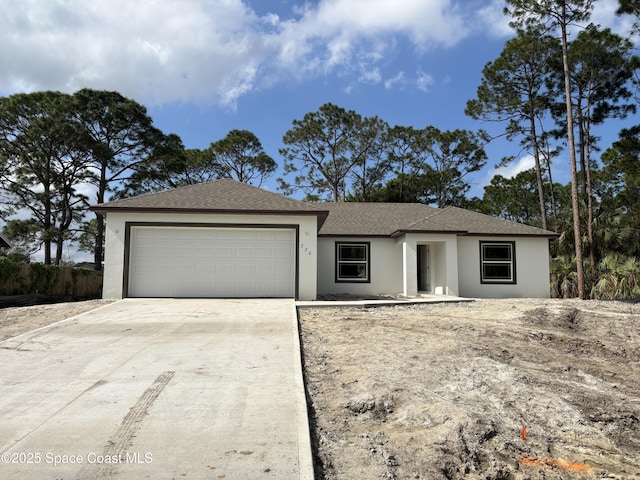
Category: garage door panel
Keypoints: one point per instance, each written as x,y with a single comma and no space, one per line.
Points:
246,252
264,253
246,235
216,262
283,252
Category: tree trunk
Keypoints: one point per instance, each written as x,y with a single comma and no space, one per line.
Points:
589,193
47,225
536,156
554,209
575,203
97,253
59,249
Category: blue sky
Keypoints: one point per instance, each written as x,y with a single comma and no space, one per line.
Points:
204,67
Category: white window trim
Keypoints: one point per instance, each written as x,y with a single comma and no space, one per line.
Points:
511,263
366,262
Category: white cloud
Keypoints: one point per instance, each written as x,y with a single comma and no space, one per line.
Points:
511,170
396,81
492,18
370,76
215,51
156,50
424,81
604,13
517,166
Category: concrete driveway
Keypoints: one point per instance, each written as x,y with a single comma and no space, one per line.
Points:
158,389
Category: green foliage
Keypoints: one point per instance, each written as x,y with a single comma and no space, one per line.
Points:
324,147
43,161
631,7
552,13
514,92
619,278
514,199
8,268
120,139
77,273
87,239
239,155
564,278
621,175
18,277
342,156
446,158
401,189
43,278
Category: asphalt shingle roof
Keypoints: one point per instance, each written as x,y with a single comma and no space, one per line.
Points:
223,195
394,219
344,218
474,223
375,219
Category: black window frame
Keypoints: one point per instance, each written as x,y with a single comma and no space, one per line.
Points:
512,280
366,262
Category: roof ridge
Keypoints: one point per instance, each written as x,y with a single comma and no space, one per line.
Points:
435,213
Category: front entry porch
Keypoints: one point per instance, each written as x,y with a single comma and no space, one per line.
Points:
429,264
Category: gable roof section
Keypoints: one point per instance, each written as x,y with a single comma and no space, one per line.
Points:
474,223
376,219
218,196
396,219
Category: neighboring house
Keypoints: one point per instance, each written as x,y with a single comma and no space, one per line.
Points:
4,243
230,239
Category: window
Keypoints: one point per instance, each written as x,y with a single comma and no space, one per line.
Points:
497,262
352,262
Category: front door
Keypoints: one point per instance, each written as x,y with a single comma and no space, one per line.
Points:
424,272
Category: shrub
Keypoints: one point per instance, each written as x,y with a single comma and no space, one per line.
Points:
618,278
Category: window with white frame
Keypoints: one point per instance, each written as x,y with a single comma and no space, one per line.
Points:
497,262
352,262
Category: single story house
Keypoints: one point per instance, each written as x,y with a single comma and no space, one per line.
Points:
229,239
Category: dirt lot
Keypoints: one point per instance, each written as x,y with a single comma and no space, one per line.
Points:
442,391
16,320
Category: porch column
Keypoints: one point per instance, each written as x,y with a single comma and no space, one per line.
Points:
409,267
452,266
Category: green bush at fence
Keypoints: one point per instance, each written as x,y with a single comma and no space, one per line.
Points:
19,278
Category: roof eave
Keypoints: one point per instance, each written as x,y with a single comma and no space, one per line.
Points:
363,235
530,235
399,233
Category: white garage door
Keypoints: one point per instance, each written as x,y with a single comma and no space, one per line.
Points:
211,262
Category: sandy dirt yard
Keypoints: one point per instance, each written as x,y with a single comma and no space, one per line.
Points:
17,320
492,389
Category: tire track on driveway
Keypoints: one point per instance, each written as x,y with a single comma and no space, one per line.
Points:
123,437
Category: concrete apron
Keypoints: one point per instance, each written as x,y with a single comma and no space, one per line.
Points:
160,389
